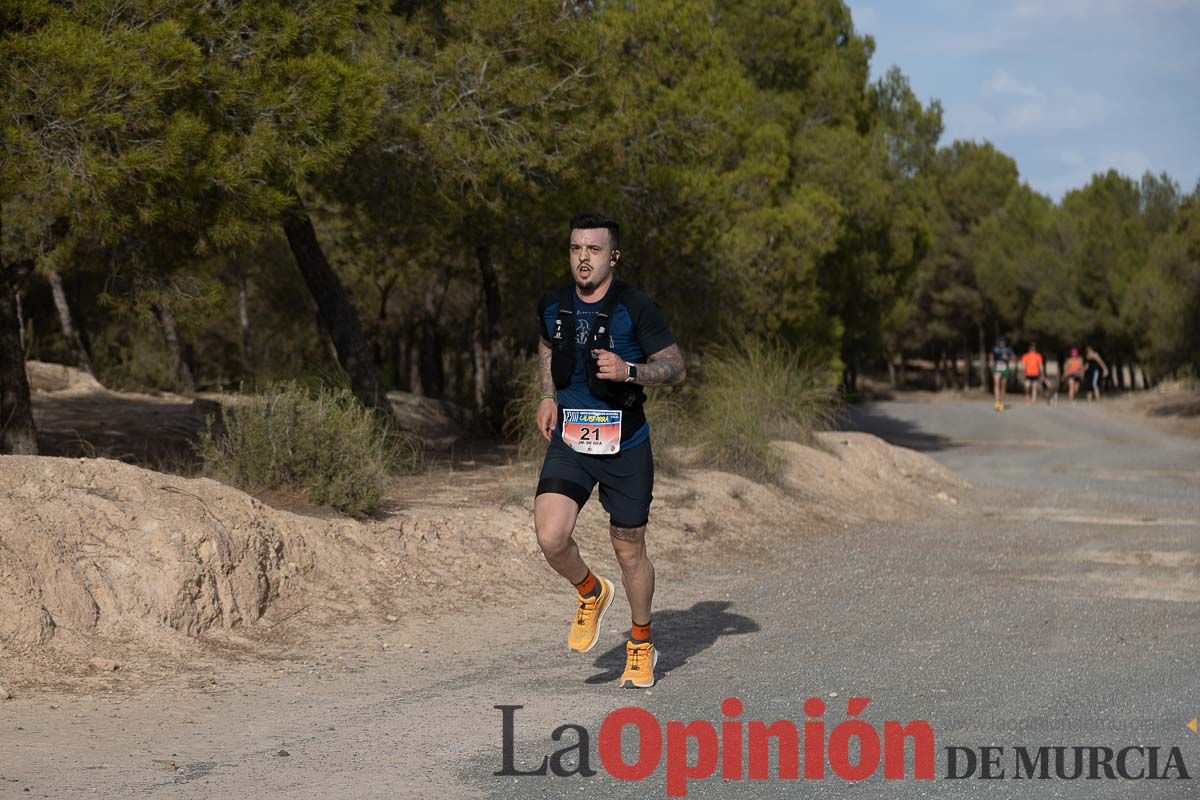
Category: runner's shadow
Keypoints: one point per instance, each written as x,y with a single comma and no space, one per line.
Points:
679,635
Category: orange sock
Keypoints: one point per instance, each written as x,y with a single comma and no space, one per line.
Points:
588,586
639,633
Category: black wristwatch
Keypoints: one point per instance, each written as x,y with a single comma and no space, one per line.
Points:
632,372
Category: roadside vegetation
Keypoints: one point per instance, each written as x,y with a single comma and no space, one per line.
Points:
394,216
755,392
321,442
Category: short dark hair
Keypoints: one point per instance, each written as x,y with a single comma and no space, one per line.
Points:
589,220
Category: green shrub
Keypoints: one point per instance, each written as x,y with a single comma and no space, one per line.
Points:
322,442
520,416
134,360
753,393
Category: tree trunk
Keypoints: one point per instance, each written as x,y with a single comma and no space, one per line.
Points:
983,368
243,302
460,374
183,372
479,357
891,362
433,376
326,337
336,309
20,319
396,350
18,436
412,358
968,363
74,344
483,347
378,340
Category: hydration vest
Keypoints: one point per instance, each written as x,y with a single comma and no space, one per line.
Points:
627,397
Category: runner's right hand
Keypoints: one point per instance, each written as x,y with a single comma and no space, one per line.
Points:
547,417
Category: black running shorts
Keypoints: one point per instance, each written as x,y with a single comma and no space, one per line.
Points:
626,480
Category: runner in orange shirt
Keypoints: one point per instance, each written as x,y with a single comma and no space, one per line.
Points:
1074,370
1032,362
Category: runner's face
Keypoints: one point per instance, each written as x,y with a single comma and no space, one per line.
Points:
592,257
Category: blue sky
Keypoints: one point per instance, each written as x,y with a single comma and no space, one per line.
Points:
1066,87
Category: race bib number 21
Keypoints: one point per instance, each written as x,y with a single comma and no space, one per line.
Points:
592,432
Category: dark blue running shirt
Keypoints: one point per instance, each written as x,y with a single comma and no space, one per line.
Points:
637,330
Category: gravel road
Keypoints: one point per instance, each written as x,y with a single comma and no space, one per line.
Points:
1054,603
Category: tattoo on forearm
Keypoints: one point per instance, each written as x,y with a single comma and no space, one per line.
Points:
547,379
665,368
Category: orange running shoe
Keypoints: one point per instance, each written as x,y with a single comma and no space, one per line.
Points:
585,628
640,660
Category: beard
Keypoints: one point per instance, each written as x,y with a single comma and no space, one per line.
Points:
593,279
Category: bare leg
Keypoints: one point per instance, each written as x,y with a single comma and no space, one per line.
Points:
637,573
554,518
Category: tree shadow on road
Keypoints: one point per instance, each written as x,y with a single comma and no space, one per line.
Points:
871,419
679,635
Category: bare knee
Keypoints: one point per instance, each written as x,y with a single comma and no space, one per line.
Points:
553,539
629,545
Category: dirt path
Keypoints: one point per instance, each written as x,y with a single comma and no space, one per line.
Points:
1055,603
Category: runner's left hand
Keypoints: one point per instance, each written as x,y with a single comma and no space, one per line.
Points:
609,366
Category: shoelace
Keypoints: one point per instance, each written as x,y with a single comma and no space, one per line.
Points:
587,605
631,658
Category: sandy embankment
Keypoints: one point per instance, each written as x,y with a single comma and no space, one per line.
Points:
105,560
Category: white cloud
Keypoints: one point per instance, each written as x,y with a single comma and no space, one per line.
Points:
1026,118
1131,163
1003,83
1025,109
1041,9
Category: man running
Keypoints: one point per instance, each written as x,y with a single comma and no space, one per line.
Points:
601,342
1032,364
1001,361
1095,370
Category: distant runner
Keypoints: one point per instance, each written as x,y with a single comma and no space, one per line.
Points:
1074,370
601,342
1032,363
1001,362
1095,370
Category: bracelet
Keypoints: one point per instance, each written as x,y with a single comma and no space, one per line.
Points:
545,397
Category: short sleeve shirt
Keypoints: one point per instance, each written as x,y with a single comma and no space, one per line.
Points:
1032,363
637,330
